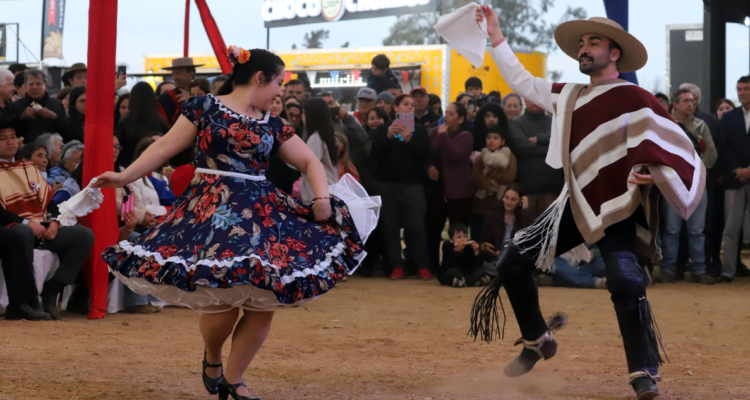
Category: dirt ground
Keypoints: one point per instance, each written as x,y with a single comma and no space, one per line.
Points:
378,339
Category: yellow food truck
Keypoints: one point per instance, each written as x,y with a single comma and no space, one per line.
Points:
437,68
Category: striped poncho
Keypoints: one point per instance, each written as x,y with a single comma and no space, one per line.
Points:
23,190
600,135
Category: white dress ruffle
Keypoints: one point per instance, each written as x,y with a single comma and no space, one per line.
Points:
82,204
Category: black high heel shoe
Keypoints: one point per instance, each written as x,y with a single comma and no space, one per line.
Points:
226,389
212,384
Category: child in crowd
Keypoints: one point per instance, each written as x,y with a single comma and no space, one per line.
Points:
382,77
493,170
473,87
345,163
462,265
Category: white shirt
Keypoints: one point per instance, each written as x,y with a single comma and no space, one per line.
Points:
747,118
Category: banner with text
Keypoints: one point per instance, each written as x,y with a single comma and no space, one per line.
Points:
296,12
54,19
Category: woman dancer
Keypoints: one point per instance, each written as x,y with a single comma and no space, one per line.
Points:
233,240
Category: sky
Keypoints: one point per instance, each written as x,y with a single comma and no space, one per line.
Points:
156,26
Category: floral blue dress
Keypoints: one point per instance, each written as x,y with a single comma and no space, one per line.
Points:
229,241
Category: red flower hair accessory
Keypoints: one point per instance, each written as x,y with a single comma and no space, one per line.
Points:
237,55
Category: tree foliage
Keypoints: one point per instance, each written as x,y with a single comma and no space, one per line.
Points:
521,21
315,39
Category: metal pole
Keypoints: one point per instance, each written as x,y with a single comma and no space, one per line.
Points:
44,14
18,42
268,38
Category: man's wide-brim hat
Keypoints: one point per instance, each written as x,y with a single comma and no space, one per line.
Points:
183,62
77,67
634,55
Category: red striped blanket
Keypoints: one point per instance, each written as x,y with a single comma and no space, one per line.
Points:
23,190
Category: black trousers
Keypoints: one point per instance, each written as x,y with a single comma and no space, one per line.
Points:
624,280
17,255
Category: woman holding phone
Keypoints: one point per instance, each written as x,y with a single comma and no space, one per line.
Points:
401,155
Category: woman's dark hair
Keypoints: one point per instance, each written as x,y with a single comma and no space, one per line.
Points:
144,118
77,174
117,165
318,119
203,84
158,88
400,98
143,144
722,101
260,61
462,95
662,96
480,129
518,188
462,112
117,107
457,227
503,133
30,149
381,61
76,118
63,92
434,99
381,113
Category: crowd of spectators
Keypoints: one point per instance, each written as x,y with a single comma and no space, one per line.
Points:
475,166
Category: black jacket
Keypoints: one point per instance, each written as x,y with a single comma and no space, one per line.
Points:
533,172
399,161
733,146
30,129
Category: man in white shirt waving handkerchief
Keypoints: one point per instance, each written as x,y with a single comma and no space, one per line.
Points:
619,149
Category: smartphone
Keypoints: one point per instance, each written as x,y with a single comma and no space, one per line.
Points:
472,105
335,111
122,70
407,120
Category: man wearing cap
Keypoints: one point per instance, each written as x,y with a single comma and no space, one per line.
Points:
183,73
618,148
422,113
365,102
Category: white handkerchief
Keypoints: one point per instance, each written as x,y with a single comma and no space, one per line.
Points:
460,30
83,203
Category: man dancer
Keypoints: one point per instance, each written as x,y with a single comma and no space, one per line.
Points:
614,141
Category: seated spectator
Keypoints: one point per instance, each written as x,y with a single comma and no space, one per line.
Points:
6,96
587,273
184,171
490,114
37,112
19,89
153,189
26,197
122,108
219,82
77,112
365,102
37,154
200,87
512,105
382,77
345,165
723,106
423,114
70,155
502,223
436,105
53,143
473,87
71,187
277,107
462,265
401,156
493,170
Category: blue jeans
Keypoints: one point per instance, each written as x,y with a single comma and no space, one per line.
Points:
671,240
584,276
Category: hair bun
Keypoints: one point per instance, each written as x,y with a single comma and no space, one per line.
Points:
237,55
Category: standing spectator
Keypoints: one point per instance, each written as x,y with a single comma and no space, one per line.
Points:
219,82
493,170
723,106
18,68
461,266
452,190
75,76
734,154
170,102
143,119
394,88
529,141
77,112
200,87
122,108
6,96
277,107
345,165
296,88
376,117
684,106
436,105
385,100
322,142
70,155
663,100
294,116
53,143
473,87
26,196
365,102
400,174
490,114
37,112
708,118
512,105
423,115
164,87
18,86
64,96
346,123
382,77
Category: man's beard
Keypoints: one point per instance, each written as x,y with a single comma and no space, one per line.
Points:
592,67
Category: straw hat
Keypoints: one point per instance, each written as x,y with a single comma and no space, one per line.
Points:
77,67
634,55
183,62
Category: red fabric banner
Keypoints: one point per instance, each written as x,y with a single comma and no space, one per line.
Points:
187,28
212,30
98,154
